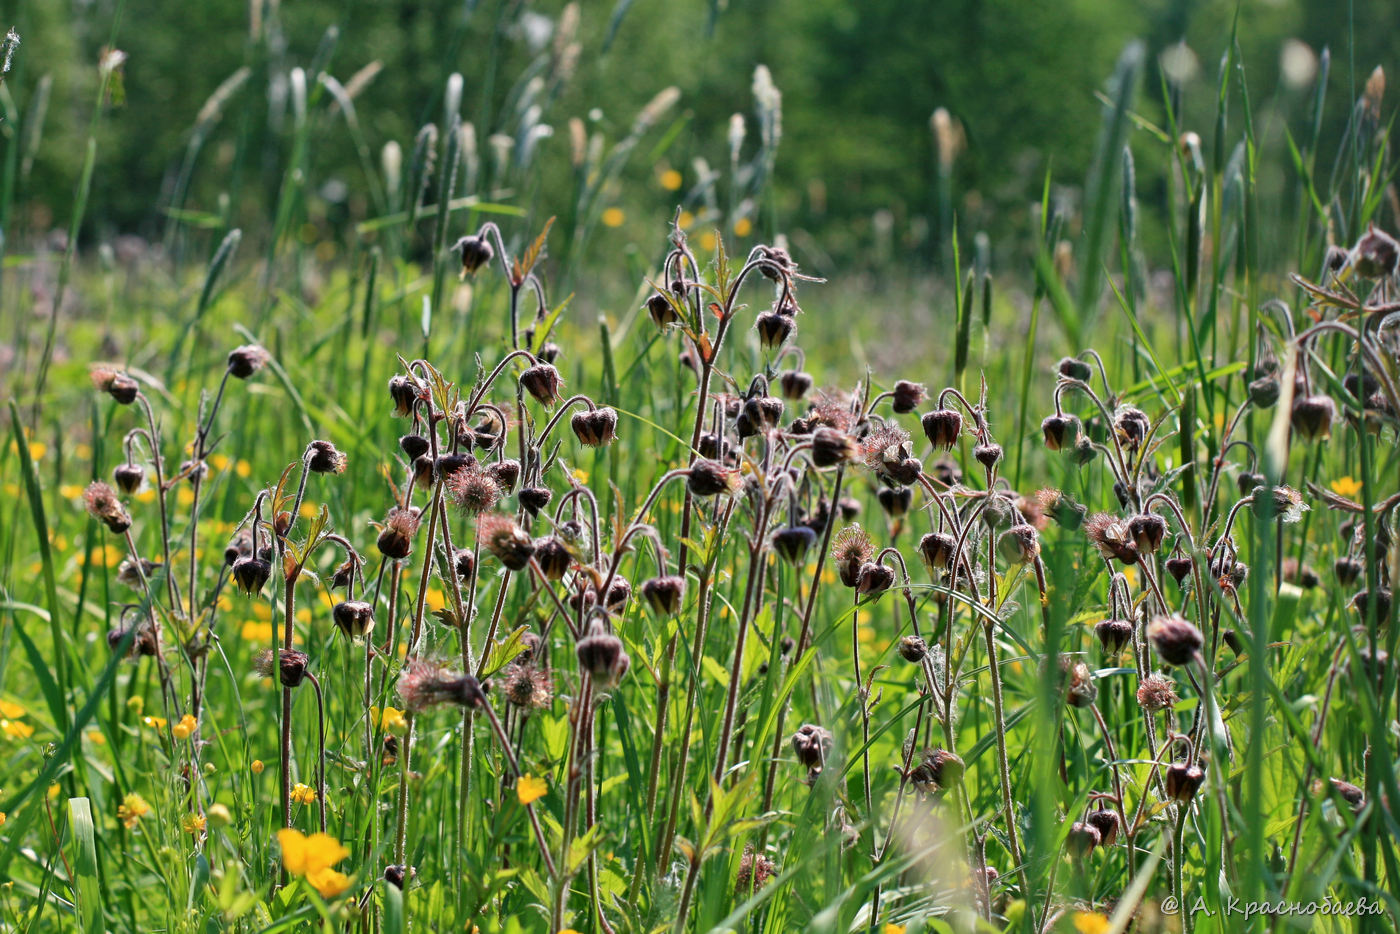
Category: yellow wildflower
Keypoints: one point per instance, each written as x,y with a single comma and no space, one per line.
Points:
328,882
1090,922
742,227
671,180
2,818
303,794
193,824
892,928
132,809
613,217
259,632
531,789
96,738
391,720
305,856
11,711
185,728
256,767
15,729
1349,487
155,723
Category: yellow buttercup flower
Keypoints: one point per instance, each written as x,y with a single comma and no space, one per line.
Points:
155,723
256,766
1090,922
16,729
671,180
892,928
613,217
530,789
2,818
305,856
743,227
303,794
132,809
328,882
255,631
185,728
391,720
1349,487
11,711
193,824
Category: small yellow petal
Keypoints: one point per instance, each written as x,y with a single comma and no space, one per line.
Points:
531,789
613,217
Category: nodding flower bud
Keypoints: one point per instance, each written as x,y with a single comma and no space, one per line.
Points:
354,618
406,392
1112,537
711,478
942,427
505,472
1148,531
542,381
664,594
1312,417
1348,571
1179,566
661,310
938,770
289,665
1351,794
1131,426
792,543
396,536
143,641
997,513
936,548
472,489
987,454
1335,260
396,875
553,557
1264,392
1247,481
119,386
1080,691
895,501
344,573
103,505
423,471
602,657
1277,502
501,536
765,411
128,477
1074,368
812,744
1081,839
831,446
1113,634
245,361
777,262
1062,508
535,498
907,396
1105,821
774,329
414,446
946,471
1375,255
464,563
322,457
1083,451
1184,780
132,573
912,648
1019,544
251,574
1059,431
794,384
476,251
1361,603
851,549
595,428
1177,641
874,579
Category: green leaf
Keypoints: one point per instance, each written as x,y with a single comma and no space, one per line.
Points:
85,880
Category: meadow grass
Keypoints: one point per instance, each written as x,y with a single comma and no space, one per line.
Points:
370,584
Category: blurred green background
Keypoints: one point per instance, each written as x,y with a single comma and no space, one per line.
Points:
855,180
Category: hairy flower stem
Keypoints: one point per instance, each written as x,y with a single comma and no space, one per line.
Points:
285,763
573,775
1003,764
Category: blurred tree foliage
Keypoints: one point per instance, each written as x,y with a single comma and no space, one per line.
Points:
859,81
